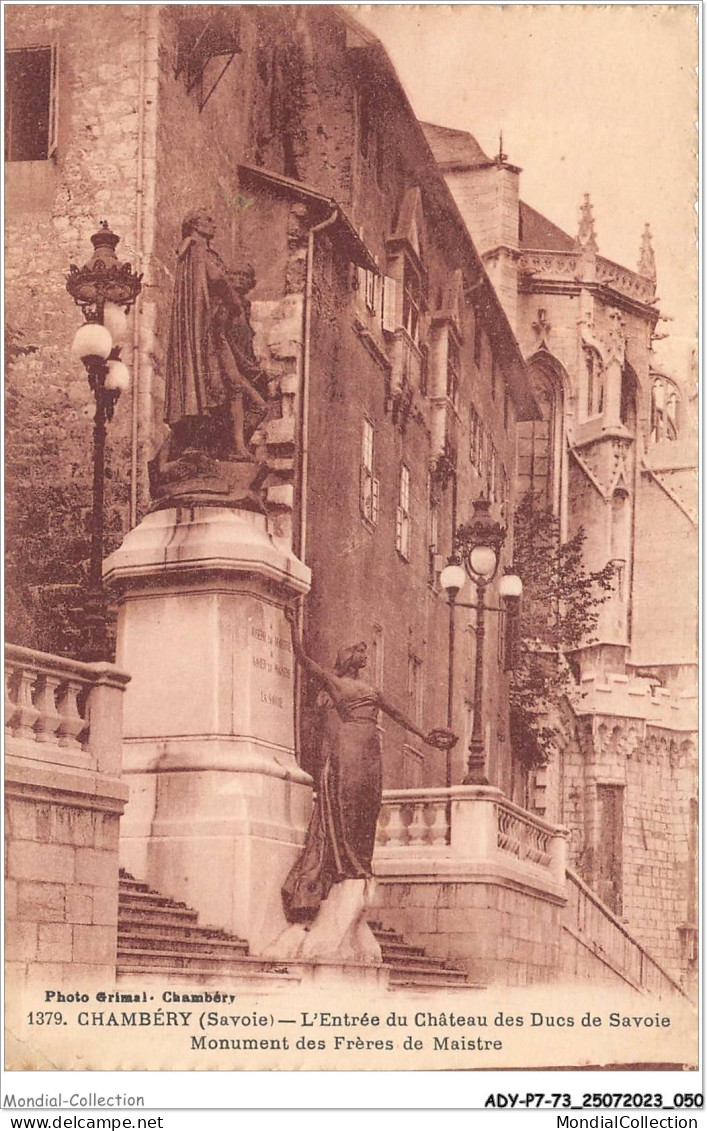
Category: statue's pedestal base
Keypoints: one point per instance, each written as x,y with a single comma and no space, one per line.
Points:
340,932
218,806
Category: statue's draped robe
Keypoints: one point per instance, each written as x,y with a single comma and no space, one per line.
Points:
210,354
342,831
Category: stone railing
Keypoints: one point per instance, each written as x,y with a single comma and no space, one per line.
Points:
63,711
603,938
64,797
446,828
565,265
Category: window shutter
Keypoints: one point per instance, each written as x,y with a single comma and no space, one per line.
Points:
52,140
390,304
374,500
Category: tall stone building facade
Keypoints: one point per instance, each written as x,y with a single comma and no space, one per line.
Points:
373,314
614,454
427,339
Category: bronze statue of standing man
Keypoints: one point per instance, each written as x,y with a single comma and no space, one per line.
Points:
214,385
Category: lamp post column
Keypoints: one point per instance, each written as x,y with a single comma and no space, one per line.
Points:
476,770
95,600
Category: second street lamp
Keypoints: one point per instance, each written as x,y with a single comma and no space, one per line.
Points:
105,290
478,545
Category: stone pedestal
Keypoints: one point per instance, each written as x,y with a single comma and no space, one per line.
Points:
218,806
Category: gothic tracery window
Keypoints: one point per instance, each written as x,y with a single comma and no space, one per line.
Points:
594,401
535,443
665,402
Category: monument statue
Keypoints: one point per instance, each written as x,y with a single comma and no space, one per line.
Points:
214,387
330,885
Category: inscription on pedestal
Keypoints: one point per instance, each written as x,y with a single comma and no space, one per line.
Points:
271,656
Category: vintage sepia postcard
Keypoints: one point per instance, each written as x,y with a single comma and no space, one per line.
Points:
352,537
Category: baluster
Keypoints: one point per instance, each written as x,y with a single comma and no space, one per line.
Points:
71,723
26,714
417,829
395,828
435,813
49,718
10,703
382,834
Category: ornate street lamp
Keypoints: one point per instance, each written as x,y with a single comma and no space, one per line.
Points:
478,545
105,289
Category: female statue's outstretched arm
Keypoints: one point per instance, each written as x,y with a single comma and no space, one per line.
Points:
440,737
304,659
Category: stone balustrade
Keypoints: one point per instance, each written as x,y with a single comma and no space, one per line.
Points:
64,798
565,265
63,711
472,824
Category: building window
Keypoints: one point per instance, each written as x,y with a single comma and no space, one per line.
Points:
370,291
534,444
506,409
411,300
477,341
433,559
474,438
364,122
368,492
377,667
664,410
402,517
453,371
370,141
30,103
609,857
424,369
415,705
493,477
595,383
494,378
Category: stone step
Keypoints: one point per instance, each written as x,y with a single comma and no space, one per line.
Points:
148,899
129,974
401,949
160,936
195,945
129,883
176,916
139,957
413,961
146,928
439,977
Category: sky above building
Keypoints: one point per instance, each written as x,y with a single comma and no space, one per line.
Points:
594,98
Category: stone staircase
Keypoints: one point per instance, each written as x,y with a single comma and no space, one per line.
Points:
159,938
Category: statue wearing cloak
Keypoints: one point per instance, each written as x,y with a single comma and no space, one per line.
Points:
211,365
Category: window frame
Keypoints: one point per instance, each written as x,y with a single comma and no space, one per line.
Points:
402,514
52,103
369,487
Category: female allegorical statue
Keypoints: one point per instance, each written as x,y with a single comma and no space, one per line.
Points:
342,831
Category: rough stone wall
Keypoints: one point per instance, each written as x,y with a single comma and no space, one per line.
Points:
665,600
655,772
61,892
52,208
496,933
660,783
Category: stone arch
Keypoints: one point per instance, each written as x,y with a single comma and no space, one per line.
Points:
540,443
